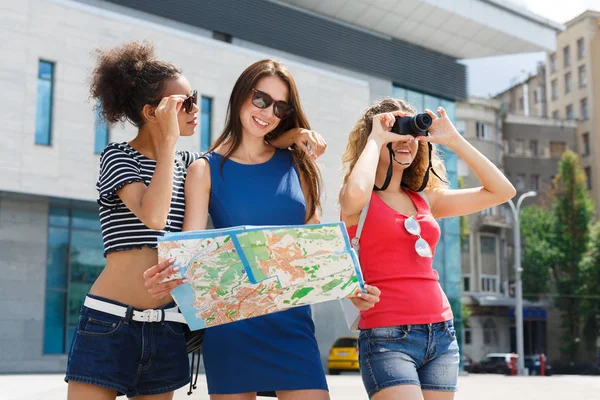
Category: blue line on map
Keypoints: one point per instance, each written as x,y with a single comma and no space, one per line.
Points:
243,259
354,256
268,278
359,275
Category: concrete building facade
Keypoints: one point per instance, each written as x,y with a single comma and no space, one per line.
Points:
573,82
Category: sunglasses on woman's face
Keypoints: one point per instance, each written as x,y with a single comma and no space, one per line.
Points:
187,105
190,102
262,100
413,227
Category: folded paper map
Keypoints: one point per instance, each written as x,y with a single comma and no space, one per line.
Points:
248,271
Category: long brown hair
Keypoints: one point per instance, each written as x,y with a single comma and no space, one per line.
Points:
233,125
413,175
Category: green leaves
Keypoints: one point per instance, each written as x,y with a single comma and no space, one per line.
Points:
538,252
560,255
589,289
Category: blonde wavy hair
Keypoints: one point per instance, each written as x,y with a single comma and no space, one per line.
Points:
413,175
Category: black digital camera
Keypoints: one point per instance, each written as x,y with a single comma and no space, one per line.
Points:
416,125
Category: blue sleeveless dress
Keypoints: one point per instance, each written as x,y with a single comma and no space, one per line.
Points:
277,351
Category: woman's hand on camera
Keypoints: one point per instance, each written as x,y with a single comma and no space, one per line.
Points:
155,275
365,301
441,131
166,114
382,128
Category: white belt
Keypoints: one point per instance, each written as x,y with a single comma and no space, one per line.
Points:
160,315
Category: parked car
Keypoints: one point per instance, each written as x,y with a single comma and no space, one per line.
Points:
493,363
343,355
535,366
467,363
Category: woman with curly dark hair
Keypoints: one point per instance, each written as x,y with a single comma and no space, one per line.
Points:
126,341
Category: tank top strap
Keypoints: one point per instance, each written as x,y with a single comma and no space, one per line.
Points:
419,201
210,157
214,162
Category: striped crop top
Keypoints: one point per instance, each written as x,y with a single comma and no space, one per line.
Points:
121,164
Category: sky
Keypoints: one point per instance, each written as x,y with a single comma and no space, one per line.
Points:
505,69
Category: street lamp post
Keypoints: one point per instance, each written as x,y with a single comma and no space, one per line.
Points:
518,284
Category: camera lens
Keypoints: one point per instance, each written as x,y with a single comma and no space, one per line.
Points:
425,120
420,123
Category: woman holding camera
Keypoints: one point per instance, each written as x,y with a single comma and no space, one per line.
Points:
408,347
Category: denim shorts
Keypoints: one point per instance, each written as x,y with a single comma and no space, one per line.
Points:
424,355
133,358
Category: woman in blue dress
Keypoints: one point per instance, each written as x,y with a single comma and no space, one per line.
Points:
243,180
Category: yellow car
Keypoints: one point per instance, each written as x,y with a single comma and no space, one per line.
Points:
343,355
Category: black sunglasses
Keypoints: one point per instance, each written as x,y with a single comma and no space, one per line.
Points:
190,102
262,100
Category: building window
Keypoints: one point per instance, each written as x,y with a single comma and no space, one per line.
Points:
521,103
557,149
536,95
569,112
487,211
519,147
487,244
465,246
586,144
468,336
533,147
466,283
461,126
101,133
568,83
535,182
223,37
483,131
489,284
553,62
566,56
74,261
520,184
554,89
206,123
43,112
555,115
584,109
588,177
490,333
582,76
580,49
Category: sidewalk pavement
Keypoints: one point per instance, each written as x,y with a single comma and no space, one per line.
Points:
349,387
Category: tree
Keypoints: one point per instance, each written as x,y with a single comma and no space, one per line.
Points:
572,213
538,251
590,289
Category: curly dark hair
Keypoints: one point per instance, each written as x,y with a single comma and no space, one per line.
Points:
128,77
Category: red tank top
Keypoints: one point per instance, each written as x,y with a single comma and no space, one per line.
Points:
410,292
